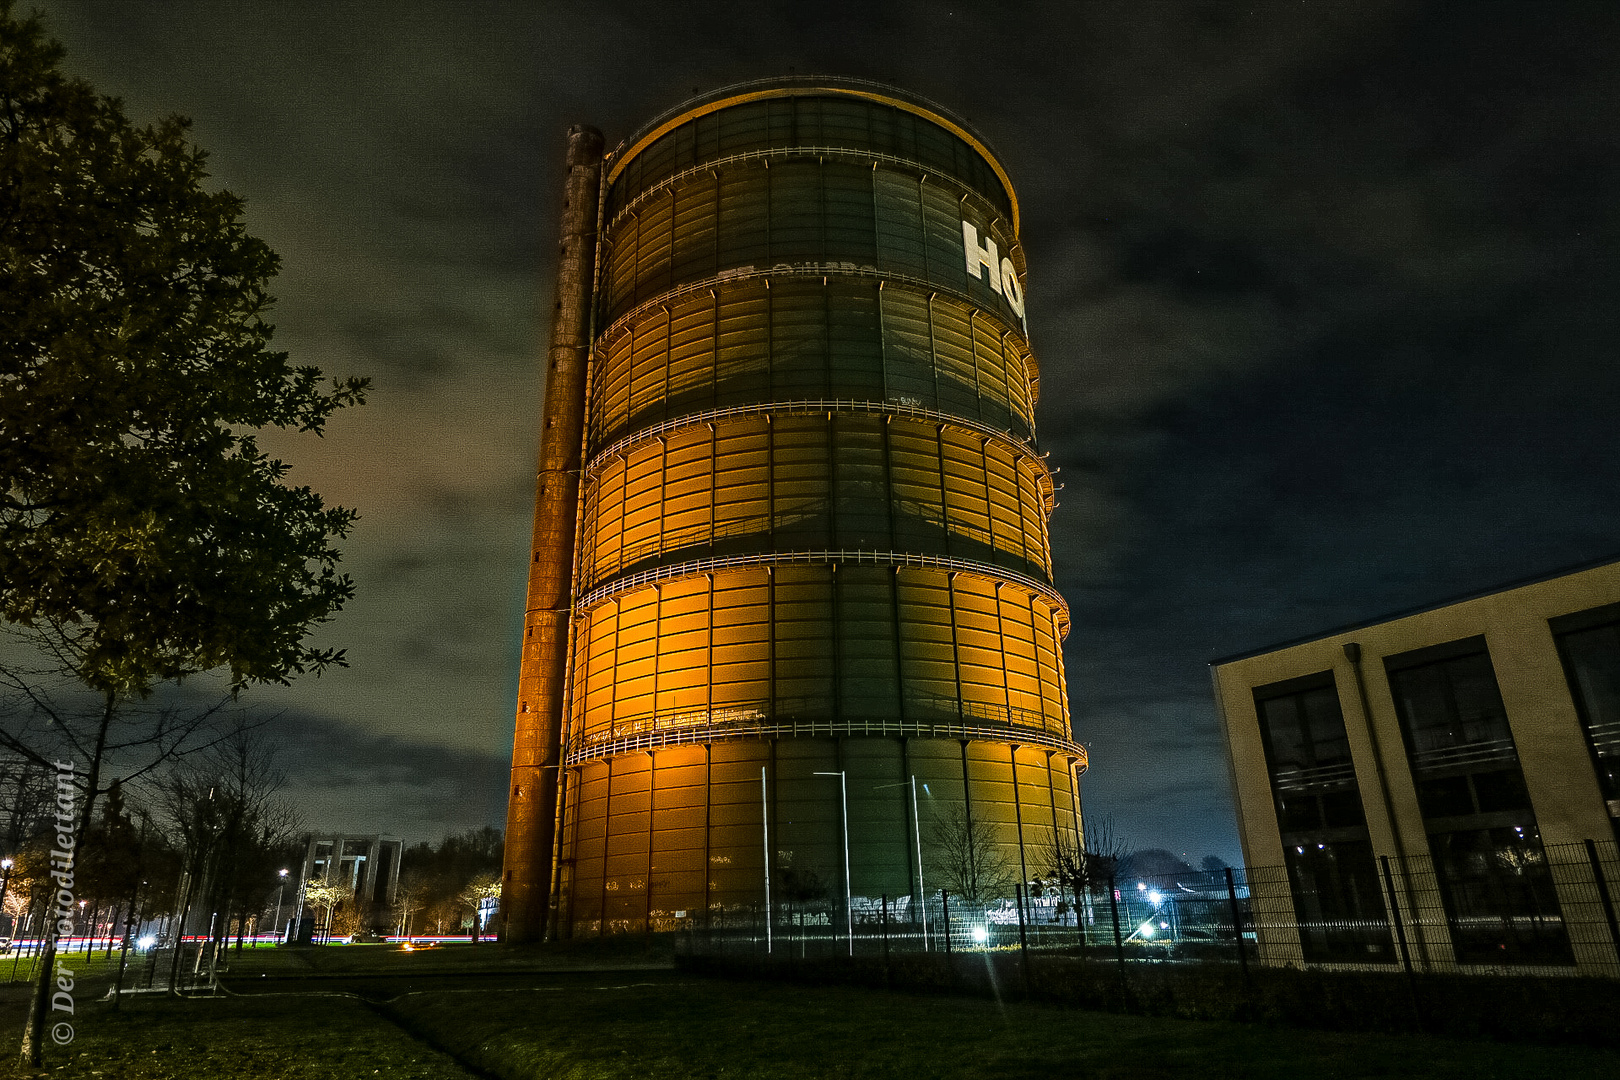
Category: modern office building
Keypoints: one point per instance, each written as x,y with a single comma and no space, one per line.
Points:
1443,784
791,594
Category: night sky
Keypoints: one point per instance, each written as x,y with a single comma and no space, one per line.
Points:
1323,296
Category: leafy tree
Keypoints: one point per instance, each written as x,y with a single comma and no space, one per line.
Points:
350,917
109,870
30,875
27,801
144,537
324,898
224,814
484,887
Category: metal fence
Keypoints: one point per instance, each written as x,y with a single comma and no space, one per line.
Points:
1552,913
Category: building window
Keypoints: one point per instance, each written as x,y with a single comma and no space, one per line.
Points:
1499,895
1589,645
1329,857
1491,868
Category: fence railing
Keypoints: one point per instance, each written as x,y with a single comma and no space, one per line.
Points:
937,718
1552,915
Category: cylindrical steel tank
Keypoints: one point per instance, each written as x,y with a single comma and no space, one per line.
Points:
812,557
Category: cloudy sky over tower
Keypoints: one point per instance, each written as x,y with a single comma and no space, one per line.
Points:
1322,295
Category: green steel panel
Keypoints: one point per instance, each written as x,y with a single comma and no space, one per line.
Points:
801,211
808,121
803,339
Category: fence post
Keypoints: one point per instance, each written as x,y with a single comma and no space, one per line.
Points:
1237,921
945,902
885,939
1603,896
1080,915
1113,907
1023,941
1395,915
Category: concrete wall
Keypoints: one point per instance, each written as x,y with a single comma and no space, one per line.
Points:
1552,749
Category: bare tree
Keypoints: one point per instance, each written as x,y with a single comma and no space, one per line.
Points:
27,796
46,715
964,856
439,873
1086,869
416,892
225,815
1105,846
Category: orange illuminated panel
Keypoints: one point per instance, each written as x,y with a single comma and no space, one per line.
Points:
805,641
813,481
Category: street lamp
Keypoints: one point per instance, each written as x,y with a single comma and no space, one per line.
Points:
916,835
765,817
282,885
849,912
5,881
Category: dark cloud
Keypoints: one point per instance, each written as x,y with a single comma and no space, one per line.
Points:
1322,296
344,778
1353,356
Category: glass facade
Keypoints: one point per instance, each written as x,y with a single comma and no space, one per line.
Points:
1492,869
1589,645
813,564
1331,872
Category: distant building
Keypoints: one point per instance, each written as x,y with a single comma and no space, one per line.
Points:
367,866
1459,763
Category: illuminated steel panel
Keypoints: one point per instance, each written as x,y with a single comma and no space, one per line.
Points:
813,522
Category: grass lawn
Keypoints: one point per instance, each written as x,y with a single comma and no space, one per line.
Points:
156,1037
337,960
680,1027
362,960
530,1014
19,968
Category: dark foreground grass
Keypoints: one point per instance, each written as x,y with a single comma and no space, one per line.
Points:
1518,1008
389,959
275,961
156,1037
687,1028
572,1023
